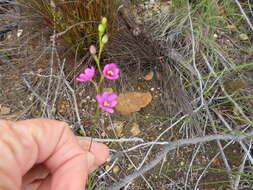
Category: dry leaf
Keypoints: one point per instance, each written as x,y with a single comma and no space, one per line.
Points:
243,36
221,11
135,130
132,102
149,76
232,86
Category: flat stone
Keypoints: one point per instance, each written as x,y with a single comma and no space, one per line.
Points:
132,102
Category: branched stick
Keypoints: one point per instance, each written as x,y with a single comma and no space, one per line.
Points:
168,148
57,35
194,57
75,104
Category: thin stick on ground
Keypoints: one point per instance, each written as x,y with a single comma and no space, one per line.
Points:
240,142
221,149
75,105
241,168
194,57
191,163
244,14
207,166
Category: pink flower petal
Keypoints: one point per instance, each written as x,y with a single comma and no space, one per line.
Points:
100,99
112,96
109,99
87,75
113,103
82,78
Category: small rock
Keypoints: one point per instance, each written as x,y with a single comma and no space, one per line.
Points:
118,126
149,76
130,166
103,134
135,130
107,167
231,27
132,102
83,101
115,169
4,110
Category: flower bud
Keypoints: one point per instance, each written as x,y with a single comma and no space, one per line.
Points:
105,39
93,49
104,21
101,28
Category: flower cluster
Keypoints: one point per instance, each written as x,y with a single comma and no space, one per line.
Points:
106,101
110,71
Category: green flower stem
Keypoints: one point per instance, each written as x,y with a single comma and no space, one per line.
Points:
101,47
96,86
101,80
97,60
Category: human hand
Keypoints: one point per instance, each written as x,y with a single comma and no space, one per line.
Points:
42,154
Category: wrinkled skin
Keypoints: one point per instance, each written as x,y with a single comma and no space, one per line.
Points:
41,154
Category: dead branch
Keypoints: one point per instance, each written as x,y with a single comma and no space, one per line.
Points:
172,146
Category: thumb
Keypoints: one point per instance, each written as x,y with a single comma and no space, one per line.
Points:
25,143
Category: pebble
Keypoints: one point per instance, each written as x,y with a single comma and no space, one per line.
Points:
4,110
103,134
115,169
135,130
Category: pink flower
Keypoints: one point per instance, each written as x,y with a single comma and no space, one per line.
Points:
87,75
111,71
107,101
